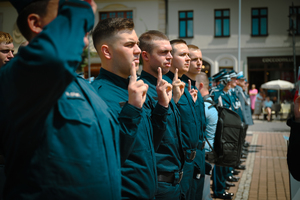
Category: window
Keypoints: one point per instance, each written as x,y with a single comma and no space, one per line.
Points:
259,21
222,24
186,26
296,16
114,14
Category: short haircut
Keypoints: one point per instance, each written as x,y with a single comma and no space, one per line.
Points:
175,42
37,7
147,38
202,78
110,26
5,38
193,47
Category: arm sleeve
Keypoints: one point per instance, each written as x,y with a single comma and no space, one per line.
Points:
34,80
293,149
159,123
211,115
129,120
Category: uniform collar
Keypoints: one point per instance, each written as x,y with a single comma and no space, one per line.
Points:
148,77
115,79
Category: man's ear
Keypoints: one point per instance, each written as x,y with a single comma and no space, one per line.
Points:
201,85
145,56
105,51
34,23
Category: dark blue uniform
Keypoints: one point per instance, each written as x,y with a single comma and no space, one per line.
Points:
190,135
199,162
56,132
169,154
139,177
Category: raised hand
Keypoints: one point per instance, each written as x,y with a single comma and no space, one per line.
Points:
137,90
193,92
163,89
297,109
178,87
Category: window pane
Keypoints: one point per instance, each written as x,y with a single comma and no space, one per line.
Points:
120,14
226,13
218,13
129,15
103,16
190,28
218,27
298,26
263,11
182,15
254,12
263,26
254,26
112,15
182,28
226,27
190,14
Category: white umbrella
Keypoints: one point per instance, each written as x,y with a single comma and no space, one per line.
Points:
278,85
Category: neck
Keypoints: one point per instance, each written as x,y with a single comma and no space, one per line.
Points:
107,66
192,76
173,71
149,70
204,92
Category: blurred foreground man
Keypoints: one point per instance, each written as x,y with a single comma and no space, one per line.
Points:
56,132
6,48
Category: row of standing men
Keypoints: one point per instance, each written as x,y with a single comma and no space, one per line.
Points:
124,137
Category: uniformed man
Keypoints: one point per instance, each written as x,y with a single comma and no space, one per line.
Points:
115,40
57,135
6,48
156,55
186,106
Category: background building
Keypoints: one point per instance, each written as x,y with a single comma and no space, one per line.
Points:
266,44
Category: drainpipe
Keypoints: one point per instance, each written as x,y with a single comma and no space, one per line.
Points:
167,14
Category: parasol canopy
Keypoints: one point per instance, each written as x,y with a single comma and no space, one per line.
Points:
278,85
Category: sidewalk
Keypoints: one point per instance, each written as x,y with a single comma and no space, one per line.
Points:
266,176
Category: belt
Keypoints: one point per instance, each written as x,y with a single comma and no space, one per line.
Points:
190,154
169,177
201,145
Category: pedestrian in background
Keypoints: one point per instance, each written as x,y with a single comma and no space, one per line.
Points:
253,92
258,102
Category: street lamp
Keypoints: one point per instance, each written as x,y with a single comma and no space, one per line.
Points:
291,30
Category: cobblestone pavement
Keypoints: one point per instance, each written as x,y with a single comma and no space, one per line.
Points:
266,176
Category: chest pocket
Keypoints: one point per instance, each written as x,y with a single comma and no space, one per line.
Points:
74,134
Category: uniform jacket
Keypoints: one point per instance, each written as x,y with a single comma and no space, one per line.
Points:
56,133
169,155
139,177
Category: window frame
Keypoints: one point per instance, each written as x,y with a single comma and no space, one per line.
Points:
116,14
186,19
222,22
297,20
259,17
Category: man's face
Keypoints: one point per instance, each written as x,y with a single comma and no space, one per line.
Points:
241,83
181,59
160,56
125,50
233,82
196,61
6,52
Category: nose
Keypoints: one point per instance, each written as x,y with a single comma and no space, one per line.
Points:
137,49
169,55
188,58
10,54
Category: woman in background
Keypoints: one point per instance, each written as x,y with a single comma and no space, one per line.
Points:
253,92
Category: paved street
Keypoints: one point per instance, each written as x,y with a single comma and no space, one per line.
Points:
266,176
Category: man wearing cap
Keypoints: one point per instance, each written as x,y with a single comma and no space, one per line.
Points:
58,136
6,48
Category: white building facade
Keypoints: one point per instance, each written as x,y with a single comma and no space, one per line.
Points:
266,46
